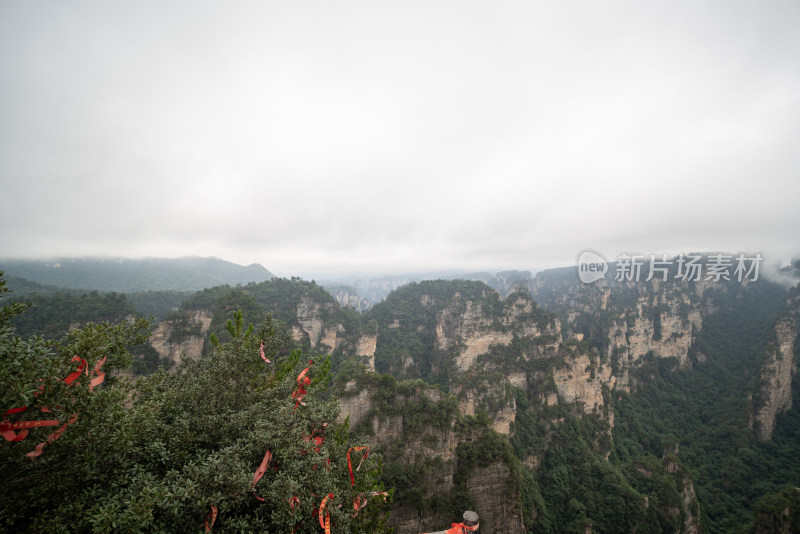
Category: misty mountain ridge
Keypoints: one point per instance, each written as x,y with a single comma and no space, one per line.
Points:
190,273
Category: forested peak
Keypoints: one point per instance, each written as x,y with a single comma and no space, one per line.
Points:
440,292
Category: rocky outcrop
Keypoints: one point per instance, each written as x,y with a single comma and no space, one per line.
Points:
496,356
659,329
490,490
310,322
356,406
469,400
174,339
472,330
629,319
469,330
775,394
465,325
582,380
691,508
365,348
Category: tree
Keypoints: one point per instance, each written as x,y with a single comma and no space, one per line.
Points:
228,442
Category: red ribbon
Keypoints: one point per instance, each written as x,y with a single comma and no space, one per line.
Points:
77,372
260,473
7,429
52,437
101,376
318,440
326,524
212,515
263,356
350,464
294,502
362,500
302,382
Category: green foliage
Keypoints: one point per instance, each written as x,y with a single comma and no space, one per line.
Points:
578,487
778,512
147,360
223,329
32,370
158,304
24,287
52,315
156,453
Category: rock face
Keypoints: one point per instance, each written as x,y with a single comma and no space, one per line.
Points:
628,320
416,429
489,489
365,347
636,332
582,380
356,407
311,322
776,378
309,319
690,507
471,331
491,342
170,339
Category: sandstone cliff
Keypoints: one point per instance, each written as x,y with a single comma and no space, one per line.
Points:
777,371
182,336
322,335
417,429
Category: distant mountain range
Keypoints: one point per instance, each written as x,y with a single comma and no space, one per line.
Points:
132,275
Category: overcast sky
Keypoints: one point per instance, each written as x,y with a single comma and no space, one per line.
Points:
324,137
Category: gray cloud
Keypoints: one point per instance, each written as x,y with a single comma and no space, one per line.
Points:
363,136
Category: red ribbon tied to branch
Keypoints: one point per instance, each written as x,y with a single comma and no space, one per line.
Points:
77,372
302,382
260,473
263,356
210,518
362,500
326,524
350,464
101,376
294,502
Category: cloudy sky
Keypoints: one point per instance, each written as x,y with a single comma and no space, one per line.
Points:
325,137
